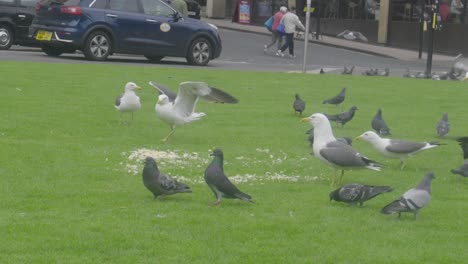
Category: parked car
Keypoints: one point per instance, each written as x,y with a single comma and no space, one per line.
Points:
100,28
15,18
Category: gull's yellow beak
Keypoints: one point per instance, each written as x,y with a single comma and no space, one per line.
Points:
138,88
358,138
305,120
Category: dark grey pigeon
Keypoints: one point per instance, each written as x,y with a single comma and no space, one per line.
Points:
443,126
219,183
161,184
347,71
298,105
412,200
357,193
322,71
463,169
338,99
345,140
371,72
379,125
343,117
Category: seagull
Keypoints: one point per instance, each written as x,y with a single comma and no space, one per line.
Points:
348,71
310,132
352,35
395,148
466,77
219,183
379,125
412,200
463,169
337,99
161,184
338,155
407,74
386,72
129,100
298,105
357,193
343,117
177,110
443,126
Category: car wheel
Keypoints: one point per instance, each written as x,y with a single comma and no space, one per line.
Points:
199,52
97,46
51,51
6,37
154,58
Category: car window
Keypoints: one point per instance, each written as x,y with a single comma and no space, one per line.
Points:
29,3
156,8
124,5
62,2
7,2
98,4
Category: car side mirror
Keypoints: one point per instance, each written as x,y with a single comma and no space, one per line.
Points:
176,15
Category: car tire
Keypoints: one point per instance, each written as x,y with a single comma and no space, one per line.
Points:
200,52
51,50
6,37
98,46
154,58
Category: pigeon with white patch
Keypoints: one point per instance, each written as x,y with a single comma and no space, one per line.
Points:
463,169
395,148
343,117
219,184
379,125
159,183
298,105
128,102
413,200
352,35
443,126
338,155
177,110
357,193
337,99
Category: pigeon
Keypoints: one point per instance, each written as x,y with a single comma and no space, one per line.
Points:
385,72
352,35
463,169
219,183
179,109
343,117
379,125
129,100
347,71
443,126
310,132
395,148
412,200
371,72
161,184
338,99
322,71
357,193
338,155
298,105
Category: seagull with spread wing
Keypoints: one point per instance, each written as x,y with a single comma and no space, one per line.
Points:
177,110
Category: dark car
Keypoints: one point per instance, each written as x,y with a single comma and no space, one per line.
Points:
100,28
15,18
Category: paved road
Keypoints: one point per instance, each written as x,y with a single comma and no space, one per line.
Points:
244,51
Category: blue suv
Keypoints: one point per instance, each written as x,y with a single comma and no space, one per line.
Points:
100,28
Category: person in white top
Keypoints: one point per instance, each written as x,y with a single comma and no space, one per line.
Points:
291,23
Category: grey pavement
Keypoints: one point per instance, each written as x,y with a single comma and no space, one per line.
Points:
379,50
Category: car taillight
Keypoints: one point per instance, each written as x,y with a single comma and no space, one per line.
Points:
71,10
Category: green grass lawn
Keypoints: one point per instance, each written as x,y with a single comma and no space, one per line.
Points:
70,194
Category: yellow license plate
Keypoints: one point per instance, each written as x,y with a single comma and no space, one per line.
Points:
44,35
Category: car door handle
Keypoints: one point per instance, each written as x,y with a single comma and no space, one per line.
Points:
151,20
22,16
111,15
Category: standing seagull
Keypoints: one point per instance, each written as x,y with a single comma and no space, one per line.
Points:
129,100
179,110
298,105
219,183
395,148
338,99
412,200
357,193
161,184
443,126
379,125
463,169
336,154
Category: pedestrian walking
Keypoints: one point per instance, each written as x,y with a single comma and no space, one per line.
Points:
275,36
291,23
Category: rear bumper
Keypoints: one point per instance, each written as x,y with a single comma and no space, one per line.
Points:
60,36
